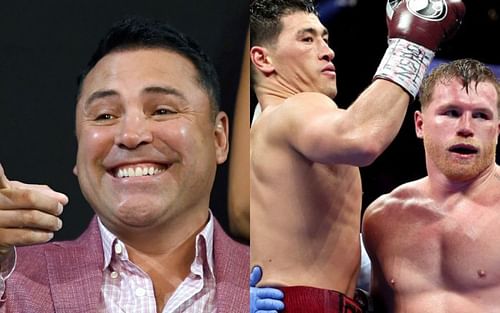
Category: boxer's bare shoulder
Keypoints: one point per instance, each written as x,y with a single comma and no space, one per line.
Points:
399,198
311,98
291,119
307,105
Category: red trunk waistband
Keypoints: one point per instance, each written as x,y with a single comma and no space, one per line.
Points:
302,299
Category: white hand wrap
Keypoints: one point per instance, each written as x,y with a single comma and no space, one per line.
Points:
405,63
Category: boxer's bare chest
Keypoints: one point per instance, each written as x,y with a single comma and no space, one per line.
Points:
448,248
469,250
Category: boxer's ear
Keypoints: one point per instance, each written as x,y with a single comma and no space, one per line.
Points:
419,124
262,60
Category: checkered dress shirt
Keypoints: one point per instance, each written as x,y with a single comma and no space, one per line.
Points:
128,289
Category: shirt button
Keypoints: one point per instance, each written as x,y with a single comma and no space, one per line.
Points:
114,274
140,292
118,248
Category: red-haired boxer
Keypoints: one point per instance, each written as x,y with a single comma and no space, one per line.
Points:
433,241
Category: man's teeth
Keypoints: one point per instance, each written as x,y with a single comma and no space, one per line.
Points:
138,171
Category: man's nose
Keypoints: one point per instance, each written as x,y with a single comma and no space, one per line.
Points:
326,53
465,126
133,132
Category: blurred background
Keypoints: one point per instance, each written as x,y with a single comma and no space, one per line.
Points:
43,47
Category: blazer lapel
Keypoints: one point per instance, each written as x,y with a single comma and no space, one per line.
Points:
231,273
75,272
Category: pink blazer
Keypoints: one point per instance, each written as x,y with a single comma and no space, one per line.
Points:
66,276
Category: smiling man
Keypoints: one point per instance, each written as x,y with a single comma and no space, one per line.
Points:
433,241
150,137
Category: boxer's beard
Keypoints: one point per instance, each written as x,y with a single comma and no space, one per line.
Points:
459,169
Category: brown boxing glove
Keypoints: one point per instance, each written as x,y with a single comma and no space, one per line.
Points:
427,23
416,28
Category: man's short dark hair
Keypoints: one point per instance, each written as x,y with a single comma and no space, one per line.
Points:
135,32
265,18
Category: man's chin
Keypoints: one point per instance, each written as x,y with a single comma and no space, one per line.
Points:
461,173
138,215
330,92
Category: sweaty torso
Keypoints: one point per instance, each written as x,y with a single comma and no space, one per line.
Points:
305,216
437,257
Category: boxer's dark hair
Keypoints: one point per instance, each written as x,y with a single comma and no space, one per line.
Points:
471,72
131,33
265,18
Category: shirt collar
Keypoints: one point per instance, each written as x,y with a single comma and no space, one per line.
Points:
204,244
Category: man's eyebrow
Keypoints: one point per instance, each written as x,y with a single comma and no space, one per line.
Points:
312,31
165,90
453,106
101,94
148,90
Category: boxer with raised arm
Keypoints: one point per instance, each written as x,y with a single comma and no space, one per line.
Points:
305,185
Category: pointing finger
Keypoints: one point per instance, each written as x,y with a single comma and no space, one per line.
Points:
4,182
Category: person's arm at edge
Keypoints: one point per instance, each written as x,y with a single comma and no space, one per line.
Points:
7,267
239,164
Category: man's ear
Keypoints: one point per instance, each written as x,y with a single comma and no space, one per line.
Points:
261,60
221,136
419,124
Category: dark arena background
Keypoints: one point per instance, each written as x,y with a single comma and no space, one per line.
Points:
43,47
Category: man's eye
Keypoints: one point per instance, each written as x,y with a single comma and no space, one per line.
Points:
481,115
452,113
105,116
163,111
307,39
